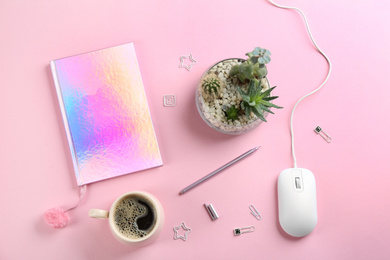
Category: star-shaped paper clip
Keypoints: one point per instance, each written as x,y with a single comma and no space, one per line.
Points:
182,226
187,67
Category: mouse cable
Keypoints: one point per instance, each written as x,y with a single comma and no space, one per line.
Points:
314,91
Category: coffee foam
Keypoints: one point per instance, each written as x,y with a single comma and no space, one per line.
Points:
128,211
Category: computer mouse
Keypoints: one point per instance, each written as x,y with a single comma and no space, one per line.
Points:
297,201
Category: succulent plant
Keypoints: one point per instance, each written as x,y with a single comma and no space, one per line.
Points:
253,67
259,55
257,101
231,112
211,84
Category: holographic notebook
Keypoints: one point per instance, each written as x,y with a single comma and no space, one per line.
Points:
105,113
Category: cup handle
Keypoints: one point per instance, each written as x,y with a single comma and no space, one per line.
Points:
98,213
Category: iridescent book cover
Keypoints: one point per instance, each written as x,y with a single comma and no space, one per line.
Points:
105,113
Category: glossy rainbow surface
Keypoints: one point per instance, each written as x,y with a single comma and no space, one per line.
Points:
107,113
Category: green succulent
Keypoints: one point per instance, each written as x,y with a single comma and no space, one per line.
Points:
256,101
259,55
232,113
211,84
253,67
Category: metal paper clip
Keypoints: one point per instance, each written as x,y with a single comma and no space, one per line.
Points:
169,100
239,231
187,67
176,230
255,212
211,210
324,135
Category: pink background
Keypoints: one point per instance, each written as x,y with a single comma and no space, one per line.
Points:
352,172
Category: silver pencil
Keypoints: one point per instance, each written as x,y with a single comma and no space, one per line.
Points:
218,170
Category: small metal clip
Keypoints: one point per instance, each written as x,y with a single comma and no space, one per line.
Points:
255,212
187,67
211,210
239,231
324,135
169,100
182,226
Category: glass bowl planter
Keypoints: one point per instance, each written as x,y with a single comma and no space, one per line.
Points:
212,110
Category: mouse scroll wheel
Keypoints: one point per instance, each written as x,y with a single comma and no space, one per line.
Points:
298,183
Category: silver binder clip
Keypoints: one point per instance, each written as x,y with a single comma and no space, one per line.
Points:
255,212
239,231
324,135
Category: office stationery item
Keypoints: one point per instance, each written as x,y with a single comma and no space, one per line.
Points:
318,130
255,212
218,170
297,201
239,231
169,100
176,230
135,219
59,217
182,62
305,184
212,212
105,113
56,218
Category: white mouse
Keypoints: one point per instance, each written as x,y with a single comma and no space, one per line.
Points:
297,201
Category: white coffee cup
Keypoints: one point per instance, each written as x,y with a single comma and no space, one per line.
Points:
142,202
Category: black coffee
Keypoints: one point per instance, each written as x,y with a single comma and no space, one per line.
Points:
134,217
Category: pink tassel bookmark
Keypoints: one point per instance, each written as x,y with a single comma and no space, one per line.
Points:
58,217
